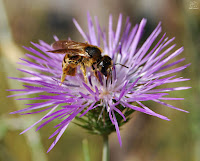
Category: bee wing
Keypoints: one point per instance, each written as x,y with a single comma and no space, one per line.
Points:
72,52
68,44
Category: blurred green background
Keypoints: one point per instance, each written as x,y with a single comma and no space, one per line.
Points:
144,138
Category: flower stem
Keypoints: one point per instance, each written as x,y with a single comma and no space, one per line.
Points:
105,155
86,150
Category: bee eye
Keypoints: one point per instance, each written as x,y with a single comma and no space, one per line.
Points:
104,72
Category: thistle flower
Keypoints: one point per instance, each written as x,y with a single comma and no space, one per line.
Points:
102,106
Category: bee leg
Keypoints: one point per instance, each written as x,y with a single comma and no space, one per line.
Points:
95,70
83,68
71,71
109,75
96,74
64,74
68,71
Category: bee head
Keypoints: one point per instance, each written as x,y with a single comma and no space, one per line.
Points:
105,65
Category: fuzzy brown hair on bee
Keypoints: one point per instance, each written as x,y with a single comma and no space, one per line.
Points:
83,54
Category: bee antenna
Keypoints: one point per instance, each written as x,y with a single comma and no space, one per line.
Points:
121,65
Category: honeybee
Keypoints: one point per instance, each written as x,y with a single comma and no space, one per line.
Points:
83,54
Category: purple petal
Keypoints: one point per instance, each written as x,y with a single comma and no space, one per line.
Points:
93,39
119,112
118,30
137,37
80,30
58,137
88,109
170,106
39,120
144,111
35,106
117,129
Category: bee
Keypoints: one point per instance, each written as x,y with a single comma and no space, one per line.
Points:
83,55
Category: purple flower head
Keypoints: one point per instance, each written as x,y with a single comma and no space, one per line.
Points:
102,105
